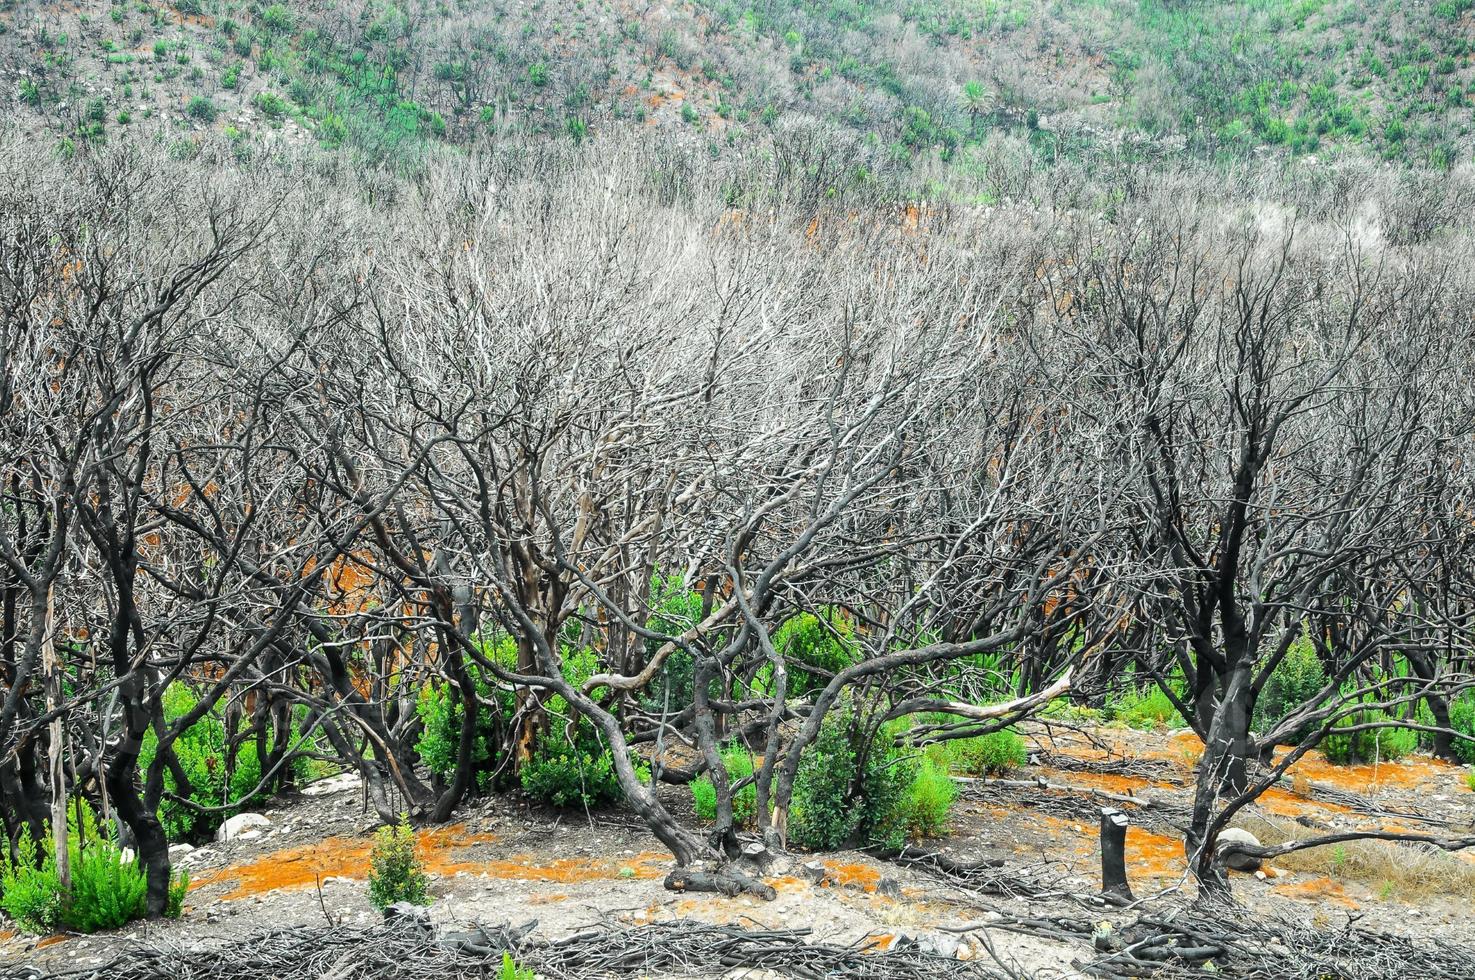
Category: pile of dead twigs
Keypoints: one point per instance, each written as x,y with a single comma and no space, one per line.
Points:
413,951
1245,947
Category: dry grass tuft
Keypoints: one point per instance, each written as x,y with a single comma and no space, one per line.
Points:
1407,872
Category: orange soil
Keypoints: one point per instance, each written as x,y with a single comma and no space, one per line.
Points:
1318,888
1287,803
1108,782
441,850
1409,773
1152,855
546,899
54,940
861,876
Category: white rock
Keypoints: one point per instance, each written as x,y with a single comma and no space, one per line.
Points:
342,783
179,850
1237,861
239,824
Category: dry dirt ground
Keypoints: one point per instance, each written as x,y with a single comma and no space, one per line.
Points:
507,860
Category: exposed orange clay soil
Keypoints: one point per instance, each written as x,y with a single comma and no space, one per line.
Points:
1322,889
53,940
1184,749
1105,781
441,849
1152,855
861,876
1285,803
1412,772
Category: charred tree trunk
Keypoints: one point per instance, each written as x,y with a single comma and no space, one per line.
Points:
1114,855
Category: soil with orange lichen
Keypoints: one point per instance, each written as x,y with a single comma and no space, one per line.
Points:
506,860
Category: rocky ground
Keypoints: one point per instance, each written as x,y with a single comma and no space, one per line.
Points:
509,861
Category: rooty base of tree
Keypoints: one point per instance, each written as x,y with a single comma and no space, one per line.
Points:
727,883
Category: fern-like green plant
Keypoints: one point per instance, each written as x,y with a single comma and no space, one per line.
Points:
30,888
511,971
107,892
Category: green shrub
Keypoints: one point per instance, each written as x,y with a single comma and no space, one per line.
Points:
739,763
202,108
1462,720
30,891
278,19
824,642
873,792
983,755
440,710
568,772
396,874
1146,709
887,778
201,751
821,816
1470,781
1374,744
1296,680
272,105
178,891
924,810
106,891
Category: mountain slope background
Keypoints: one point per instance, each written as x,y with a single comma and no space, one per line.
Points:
390,81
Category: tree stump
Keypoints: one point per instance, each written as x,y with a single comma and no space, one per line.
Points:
1114,855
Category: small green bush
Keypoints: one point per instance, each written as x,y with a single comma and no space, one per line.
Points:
396,874
739,763
821,816
807,640
440,710
1146,709
1374,744
984,755
106,891
30,890
201,751
278,19
1462,720
928,802
202,108
272,105
1297,679
567,773
873,793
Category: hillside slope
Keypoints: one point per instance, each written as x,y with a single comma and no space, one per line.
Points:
1304,76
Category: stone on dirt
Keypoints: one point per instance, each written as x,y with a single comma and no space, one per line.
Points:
239,824
1237,861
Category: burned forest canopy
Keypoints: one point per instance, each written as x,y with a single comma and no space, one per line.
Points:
589,468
